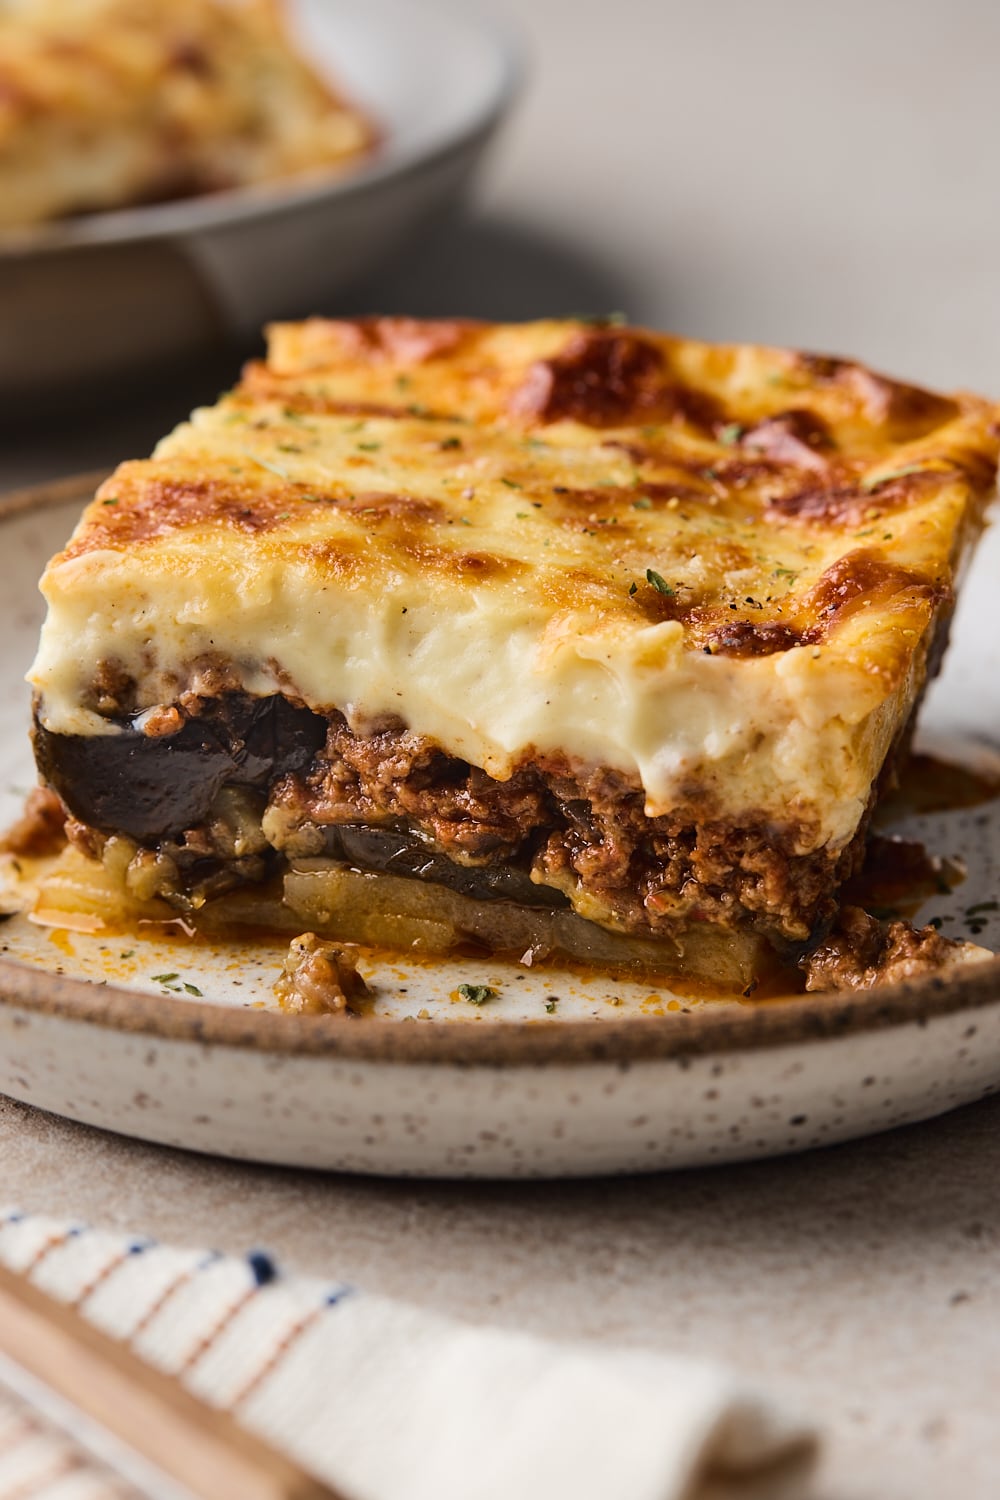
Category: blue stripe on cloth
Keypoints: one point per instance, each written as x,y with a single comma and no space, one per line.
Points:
263,1267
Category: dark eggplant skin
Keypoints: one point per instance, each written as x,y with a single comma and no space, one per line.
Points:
154,787
398,851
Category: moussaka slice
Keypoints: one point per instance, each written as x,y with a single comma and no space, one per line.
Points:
561,637
106,103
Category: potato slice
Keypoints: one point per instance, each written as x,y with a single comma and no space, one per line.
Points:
394,912
83,894
401,915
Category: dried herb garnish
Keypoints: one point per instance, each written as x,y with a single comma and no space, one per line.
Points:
875,481
263,463
600,320
476,994
660,584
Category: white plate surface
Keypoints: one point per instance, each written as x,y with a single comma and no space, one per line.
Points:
558,1074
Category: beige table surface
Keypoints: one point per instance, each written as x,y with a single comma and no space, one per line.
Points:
818,175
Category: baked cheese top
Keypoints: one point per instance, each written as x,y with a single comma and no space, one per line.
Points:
108,102
717,569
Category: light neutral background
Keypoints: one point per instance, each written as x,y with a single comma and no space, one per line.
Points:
786,171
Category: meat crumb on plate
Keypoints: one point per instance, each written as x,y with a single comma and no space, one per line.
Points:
861,951
319,978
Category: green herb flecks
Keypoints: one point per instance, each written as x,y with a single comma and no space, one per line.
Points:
730,434
476,994
875,481
173,982
600,320
660,584
265,463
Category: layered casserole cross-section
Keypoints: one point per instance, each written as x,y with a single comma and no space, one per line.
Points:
559,638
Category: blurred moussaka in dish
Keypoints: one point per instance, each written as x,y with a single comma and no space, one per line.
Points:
106,103
563,638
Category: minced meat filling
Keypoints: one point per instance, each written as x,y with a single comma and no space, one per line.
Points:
392,773
860,951
582,832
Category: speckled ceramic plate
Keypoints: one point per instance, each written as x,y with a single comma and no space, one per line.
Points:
178,1041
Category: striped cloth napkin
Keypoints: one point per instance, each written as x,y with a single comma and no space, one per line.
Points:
385,1401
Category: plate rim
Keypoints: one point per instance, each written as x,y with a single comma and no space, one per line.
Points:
231,207
731,1028
500,1045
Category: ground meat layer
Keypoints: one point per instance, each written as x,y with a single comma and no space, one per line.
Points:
584,832
861,951
235,778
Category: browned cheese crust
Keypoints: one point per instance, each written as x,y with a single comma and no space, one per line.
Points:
111,103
